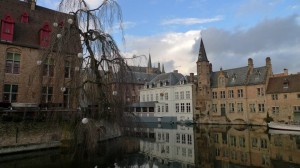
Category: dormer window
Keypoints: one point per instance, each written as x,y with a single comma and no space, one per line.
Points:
45,35
221,81
7,28
285,84
257,75
166,83
233,79
25,17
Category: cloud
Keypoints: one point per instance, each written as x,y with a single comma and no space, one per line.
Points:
171,49
276,38
191,21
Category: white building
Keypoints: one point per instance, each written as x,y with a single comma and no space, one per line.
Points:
166,98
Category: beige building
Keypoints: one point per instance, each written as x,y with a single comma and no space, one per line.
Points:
283,97
233,95
31,73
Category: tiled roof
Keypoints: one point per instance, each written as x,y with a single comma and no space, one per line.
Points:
173,78
291,83
240,76
139,77
27,34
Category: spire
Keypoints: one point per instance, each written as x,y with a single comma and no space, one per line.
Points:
202,54
163,69
149,62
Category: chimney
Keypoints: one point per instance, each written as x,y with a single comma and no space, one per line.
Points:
191,77
268,61
210,68
285,72
32,4
250,65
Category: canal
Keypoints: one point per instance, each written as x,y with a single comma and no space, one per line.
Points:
170,145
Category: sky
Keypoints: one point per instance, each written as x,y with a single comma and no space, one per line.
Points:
232,32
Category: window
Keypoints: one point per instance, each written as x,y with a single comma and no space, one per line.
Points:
298,96
147,97
166,96
260,92
190,152
189,139
48,69
188,107
182,107
182,95
231,94
167,108
178,138
187,95
167,137
183,138
240,93
242,142
261,107
45,32
252,108
24,17
214,108
176,96
162,108
151,97
67,69
231,107
156,97
161,96
254,142
215,95
285,96
10,93
47,93
275,110
296,108
240,107
67,98
12,64
221,81
274,97
158,108
232,140
7,28
263,143
177,107
222,94
183,152
143,98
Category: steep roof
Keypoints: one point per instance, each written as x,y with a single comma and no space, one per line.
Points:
27,34
173,78
202,53
284,84
240,76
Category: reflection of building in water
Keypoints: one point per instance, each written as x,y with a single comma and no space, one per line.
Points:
170,146
253,147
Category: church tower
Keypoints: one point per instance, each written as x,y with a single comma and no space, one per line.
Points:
149,67
203,86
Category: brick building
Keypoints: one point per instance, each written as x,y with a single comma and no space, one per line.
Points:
37,61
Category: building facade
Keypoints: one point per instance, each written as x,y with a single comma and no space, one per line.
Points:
31,73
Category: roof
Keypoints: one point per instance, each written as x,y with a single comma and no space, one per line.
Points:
202,53
139,77
284,84
240,76
27,34
172,77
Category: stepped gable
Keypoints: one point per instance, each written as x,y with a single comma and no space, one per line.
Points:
27,34
172,77
284,84
240,76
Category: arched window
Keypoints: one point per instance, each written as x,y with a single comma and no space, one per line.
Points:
25,17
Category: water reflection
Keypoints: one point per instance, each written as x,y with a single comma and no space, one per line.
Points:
170,145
